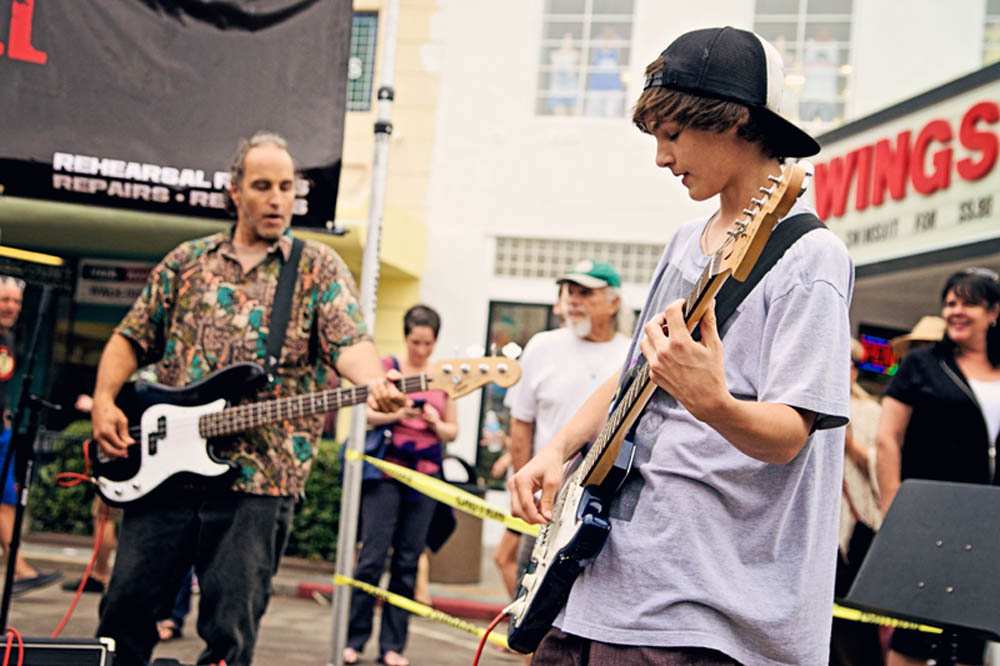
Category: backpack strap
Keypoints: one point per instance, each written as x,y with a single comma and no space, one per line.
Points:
784,236
281,309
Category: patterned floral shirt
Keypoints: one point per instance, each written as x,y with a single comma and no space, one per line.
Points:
200,311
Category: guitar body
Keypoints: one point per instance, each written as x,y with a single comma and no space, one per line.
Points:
169,448
563,549
176,429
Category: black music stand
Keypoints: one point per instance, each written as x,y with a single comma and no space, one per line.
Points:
935,561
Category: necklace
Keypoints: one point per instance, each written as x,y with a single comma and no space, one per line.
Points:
703,240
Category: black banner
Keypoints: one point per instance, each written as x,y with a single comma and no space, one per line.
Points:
140,103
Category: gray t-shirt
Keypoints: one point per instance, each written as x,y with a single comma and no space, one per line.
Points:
710,547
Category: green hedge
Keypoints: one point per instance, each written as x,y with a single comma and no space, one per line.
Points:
64,510
314,533
67,510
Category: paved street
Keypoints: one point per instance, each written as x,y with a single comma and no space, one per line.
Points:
295,632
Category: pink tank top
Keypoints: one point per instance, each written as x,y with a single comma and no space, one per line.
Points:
414,442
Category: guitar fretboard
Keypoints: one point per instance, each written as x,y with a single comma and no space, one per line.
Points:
233,420
708,285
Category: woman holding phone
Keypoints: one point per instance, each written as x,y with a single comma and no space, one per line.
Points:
391,513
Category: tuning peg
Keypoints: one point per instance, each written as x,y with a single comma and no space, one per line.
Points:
757,202
748,212
774,179
512,350
493,348
767,190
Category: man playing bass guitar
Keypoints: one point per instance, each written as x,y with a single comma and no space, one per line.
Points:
205,307
722,545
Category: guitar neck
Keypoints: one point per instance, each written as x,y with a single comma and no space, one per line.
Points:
640,390
233,420
739,254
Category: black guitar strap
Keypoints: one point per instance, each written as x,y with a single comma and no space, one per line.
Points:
783,237
281,309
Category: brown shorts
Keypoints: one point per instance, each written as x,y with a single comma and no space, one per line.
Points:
561,649
114,515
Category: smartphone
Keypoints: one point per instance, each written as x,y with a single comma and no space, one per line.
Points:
418,403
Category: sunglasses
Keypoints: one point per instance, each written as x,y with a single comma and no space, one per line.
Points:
978,271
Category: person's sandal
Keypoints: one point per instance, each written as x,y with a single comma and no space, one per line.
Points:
36,582
168,631
393,658
351,656
92,585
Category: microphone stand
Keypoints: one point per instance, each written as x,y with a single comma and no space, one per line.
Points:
22,440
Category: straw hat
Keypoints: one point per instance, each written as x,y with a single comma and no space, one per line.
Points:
928,329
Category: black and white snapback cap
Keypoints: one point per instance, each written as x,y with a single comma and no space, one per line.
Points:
738,66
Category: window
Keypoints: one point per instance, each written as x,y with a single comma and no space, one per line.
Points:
508,322
548,258
361,63
586,50
814,39
991,33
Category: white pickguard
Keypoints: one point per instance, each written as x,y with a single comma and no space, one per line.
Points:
181,449
554,537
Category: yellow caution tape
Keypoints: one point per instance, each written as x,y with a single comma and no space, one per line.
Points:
855,615
411,606
447,493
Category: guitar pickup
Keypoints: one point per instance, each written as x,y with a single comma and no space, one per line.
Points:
155,437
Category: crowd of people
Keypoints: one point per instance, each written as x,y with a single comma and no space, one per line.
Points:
761,471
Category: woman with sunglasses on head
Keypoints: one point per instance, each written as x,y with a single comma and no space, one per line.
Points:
941,417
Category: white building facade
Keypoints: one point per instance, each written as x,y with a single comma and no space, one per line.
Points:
536,163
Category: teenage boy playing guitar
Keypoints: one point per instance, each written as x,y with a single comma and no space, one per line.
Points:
723,540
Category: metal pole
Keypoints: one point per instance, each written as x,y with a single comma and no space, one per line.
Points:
351,497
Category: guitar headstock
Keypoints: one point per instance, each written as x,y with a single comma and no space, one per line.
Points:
459,376
760,216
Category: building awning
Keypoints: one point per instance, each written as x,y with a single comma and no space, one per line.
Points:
73,230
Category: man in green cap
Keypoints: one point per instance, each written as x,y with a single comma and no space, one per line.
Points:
563,366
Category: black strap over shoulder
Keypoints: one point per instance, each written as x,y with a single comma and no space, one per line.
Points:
783,237
281,309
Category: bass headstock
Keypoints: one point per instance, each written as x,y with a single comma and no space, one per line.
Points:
460,376
746,242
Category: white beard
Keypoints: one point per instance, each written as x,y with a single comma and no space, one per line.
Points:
581,328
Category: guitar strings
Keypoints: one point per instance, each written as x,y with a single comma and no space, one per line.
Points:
271,410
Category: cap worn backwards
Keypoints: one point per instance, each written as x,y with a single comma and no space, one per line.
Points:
737,66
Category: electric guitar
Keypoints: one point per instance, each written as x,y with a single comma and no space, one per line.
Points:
580,516
179,428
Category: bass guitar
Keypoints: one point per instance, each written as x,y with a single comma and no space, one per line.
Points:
580,516
179,429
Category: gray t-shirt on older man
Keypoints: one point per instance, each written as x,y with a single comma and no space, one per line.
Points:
710,547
